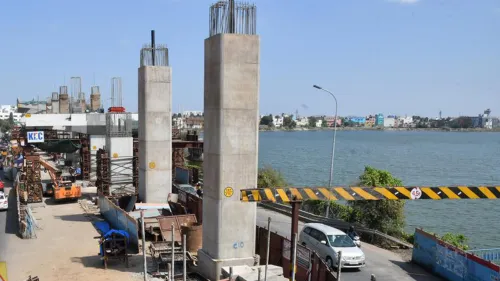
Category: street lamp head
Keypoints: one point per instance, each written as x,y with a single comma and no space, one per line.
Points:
317,87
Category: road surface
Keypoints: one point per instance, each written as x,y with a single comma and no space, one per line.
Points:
384,264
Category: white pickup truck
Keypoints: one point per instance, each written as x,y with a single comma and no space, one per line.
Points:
4,202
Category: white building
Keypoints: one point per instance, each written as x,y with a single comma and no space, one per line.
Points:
302,122
319,123
406,121
5,111
192,113
389,122
278,121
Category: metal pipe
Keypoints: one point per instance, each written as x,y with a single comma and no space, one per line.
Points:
173,254
294,256
184,274
143,234
333,145
153,46
339,265
295,227
230,273
268,245
259,270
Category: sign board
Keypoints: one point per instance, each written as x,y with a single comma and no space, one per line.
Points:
228,191
416,193
303,254
35,137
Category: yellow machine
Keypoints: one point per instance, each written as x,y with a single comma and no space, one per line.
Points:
61,189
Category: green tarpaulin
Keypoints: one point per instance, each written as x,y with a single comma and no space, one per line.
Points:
63,146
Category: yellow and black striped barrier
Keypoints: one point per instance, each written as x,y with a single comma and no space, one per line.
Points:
288,194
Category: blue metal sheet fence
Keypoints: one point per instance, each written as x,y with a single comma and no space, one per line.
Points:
452,263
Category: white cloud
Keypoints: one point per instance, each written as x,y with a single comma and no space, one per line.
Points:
405,1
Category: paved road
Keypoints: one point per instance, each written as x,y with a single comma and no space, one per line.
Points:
386,265
8,226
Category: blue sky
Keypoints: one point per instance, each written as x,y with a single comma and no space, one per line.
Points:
395,57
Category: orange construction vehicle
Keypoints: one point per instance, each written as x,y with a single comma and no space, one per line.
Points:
62,189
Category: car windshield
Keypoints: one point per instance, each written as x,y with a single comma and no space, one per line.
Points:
340,241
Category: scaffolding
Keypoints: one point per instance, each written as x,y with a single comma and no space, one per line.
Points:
31,187
85,156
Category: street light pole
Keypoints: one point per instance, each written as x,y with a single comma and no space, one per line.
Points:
333,146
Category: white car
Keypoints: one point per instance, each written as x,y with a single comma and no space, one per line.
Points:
328,241
4,202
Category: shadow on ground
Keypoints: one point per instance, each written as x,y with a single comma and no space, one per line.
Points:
416,272
11,224
135,263
75,218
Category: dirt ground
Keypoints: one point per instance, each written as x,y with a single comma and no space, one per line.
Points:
65,249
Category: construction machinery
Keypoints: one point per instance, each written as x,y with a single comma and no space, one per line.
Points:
62,188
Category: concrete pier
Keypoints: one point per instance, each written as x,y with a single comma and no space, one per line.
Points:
230,151
155,133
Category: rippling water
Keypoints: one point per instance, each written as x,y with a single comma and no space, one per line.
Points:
417,158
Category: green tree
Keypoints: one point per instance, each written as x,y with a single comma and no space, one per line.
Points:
324,124
5,126
456,239
289,123
11,119
266,120
269,177
312,122
384,215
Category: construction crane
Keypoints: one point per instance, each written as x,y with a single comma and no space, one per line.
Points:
62,189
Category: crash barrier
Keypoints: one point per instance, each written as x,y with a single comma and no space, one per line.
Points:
450,262
188,198
492,255
340,224
287,194
120,220
310,267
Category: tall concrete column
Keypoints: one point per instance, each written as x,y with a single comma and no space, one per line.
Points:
230,150
155,126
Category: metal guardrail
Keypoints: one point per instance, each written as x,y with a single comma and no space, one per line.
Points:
492,255
340,224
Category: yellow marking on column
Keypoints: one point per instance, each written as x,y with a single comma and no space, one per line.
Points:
404,191
327,193
283,195
363,193
498,188
430,193
468,192
448,192
256,195
487,192
296,193
344,193
244,196
311,194
386,193
269,194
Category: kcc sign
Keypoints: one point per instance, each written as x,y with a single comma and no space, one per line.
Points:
35,137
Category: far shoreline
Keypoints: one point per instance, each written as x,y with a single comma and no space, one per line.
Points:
461,130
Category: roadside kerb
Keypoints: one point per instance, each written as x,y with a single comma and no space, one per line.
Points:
309,217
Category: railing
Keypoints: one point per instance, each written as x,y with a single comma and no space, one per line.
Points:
340,224
492,255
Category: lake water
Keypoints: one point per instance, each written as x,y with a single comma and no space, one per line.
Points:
417,158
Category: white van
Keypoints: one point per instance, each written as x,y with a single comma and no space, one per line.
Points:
328,241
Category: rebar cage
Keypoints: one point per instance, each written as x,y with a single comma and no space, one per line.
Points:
233,17
119,124
154,55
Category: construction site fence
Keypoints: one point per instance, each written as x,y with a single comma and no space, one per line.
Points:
192,203
120,220
450,262
309,267
337,223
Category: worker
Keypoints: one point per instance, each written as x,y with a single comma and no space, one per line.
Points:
199,190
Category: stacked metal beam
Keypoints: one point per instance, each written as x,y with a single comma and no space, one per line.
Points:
85,156
103,174
33,186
